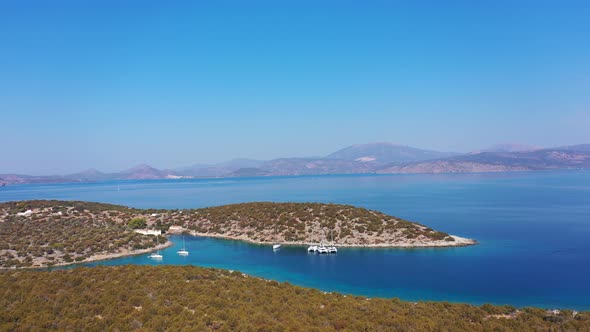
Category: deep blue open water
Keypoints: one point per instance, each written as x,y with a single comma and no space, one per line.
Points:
533,230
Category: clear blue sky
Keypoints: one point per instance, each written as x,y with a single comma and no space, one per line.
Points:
111,84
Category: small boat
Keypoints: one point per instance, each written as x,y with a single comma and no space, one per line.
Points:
276,245
183,251
332,249
156,255
322,249
312,248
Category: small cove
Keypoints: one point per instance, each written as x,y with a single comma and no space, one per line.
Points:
532,230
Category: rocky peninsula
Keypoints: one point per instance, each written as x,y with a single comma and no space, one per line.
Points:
45,233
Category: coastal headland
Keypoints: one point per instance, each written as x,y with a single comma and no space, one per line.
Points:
44,233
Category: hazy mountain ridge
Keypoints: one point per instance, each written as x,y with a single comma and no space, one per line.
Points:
579,147
382,158
145,172
91,175
219,169
509,147
387,153
310,166
545,159
359,158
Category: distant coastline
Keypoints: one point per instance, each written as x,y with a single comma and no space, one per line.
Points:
6,184
372,158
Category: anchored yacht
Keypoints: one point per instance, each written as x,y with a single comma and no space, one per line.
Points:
322,249
332,249
183,251
312,248
276,245
156,255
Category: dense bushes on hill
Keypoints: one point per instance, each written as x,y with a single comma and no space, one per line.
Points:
308,222
186,298
57,234
136,223
17,206
64,231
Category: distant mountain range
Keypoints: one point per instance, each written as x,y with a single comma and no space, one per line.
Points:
386,153
543,159
92,175
381,158
220,169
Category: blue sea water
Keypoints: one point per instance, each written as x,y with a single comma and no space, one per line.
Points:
533,230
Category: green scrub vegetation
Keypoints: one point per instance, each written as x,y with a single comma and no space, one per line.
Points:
188,298
58,232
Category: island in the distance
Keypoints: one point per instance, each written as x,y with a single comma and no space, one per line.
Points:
45,233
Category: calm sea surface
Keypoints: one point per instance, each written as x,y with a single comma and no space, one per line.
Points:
533,231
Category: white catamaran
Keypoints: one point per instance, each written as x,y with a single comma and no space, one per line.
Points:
312,248
332,249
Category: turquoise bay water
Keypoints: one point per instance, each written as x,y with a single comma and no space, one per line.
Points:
533,231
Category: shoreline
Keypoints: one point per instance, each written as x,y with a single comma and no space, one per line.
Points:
375,173
103,257
96,258
459,242
384,231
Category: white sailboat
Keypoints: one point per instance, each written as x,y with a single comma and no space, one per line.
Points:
276,245
312,248
322,249
156,255
183,251
332,249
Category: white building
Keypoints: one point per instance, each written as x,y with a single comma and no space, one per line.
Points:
25,214
175,229
148,231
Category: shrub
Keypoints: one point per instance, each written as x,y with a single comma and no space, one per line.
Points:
137,223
